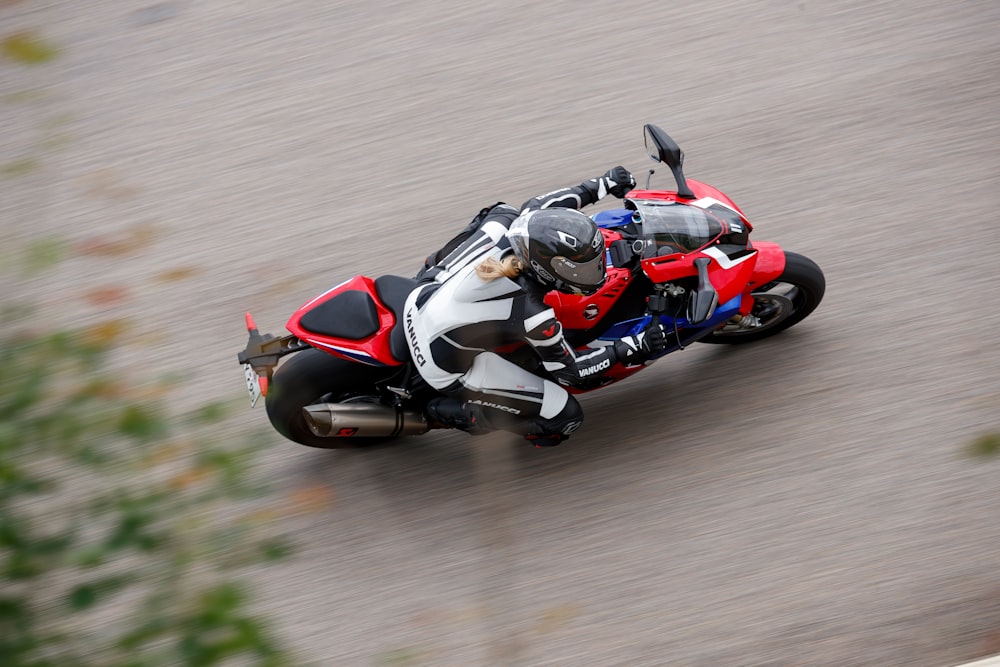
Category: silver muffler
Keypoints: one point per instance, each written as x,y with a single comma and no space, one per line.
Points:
363,420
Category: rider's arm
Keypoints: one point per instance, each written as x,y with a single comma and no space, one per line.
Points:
489,227
575,367
487,231
617,181
567,366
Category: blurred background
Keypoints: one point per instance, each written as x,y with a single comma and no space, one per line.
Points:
167,166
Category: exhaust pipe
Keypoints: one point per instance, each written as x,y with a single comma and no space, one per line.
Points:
363,420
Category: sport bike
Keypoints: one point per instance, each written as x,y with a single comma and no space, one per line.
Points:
344,377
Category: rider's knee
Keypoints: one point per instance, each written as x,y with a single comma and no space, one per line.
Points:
568,420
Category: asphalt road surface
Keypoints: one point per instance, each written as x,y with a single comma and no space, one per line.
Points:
802,501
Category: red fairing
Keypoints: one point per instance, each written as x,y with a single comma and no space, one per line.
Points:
728,277
581,312
770,263
372,349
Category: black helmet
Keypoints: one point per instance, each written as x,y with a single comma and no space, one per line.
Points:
561,248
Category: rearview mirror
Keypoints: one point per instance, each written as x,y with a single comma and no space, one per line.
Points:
661,148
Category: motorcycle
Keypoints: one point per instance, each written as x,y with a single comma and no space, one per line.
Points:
343,377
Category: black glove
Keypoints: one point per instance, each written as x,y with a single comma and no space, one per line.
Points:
633,350
618,181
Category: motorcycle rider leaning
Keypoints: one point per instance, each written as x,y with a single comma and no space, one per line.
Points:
485,290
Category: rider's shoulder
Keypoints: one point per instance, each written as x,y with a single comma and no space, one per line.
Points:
503,211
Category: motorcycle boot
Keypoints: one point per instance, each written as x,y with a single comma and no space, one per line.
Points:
555,430
448,412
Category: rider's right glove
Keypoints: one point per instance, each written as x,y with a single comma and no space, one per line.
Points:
618,181
634,350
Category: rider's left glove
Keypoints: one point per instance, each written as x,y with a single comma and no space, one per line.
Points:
633,350
618,181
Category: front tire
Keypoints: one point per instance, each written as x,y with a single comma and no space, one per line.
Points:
313,376
779,304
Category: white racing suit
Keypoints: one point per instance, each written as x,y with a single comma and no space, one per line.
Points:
456,321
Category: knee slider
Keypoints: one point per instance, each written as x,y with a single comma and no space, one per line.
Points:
567,421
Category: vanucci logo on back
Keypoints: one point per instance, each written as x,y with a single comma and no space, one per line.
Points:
418,356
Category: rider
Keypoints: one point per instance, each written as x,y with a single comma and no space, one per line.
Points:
486,289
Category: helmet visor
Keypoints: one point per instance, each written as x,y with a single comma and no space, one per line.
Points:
586,277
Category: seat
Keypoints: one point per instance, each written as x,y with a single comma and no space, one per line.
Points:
392,291
350,315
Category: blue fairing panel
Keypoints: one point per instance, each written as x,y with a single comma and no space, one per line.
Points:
685,330
615,217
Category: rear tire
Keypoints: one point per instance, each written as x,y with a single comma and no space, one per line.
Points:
781,303
313,376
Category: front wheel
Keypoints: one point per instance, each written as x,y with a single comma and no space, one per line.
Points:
313,376
779,304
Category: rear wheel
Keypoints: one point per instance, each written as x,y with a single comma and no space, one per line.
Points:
313,376
779,304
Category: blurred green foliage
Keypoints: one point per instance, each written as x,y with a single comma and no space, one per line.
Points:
44,254
20,167
27,48
127,534
123,531
986,445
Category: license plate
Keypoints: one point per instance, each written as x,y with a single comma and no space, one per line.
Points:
253,384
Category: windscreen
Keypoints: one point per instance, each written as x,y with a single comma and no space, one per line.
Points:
668,227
